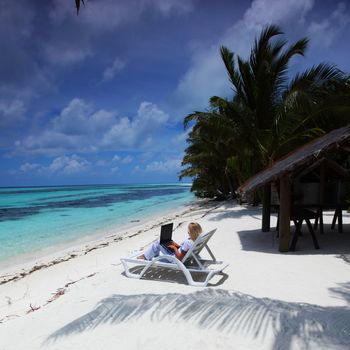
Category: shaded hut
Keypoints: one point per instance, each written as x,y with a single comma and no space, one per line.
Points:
299,163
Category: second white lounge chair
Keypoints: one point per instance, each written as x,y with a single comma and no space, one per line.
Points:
190,264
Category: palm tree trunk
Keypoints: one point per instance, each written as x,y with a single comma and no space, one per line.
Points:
231,194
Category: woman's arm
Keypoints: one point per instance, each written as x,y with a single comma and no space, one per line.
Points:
177,245
179,254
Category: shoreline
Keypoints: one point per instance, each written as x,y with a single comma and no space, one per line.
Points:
87,299
33,222
20,266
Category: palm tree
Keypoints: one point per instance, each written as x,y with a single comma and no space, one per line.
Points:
278,115
206,158
269,114
217,138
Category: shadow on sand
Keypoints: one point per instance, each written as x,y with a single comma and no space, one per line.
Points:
225,312
331,242
231,210
342,292
175,276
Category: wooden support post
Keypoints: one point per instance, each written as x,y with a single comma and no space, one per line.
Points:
340,220
285,211
266,210
322,194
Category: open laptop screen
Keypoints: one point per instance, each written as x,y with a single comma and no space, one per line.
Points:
166,233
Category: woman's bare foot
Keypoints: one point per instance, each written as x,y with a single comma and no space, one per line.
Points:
142,257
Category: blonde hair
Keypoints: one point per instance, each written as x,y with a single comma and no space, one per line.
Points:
194,230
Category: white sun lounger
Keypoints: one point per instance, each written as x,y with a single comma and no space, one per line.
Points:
191,262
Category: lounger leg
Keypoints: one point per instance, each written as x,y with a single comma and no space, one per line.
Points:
189,277
146,268
210,253
128,273
207,279
191,282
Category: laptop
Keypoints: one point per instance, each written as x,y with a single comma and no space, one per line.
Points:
166,232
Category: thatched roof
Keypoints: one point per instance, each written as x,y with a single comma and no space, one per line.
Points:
303,156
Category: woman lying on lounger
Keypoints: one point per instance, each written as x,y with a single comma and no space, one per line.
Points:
179,250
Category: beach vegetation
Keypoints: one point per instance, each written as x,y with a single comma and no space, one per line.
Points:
270,113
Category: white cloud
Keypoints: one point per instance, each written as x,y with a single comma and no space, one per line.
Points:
167,166
114,13
324,32
116,158
11,112
111,71
79,118
73,38
63,53
121,133
150,115
136,169
262,12
68,165
101,163
81,128
63,165
30,167
51,142
94,20
20,71
207,76
127,160
73,120
95,16
129,132
180,139
78,128
169,6
123,160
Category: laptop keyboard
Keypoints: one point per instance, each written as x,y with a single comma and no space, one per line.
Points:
166,246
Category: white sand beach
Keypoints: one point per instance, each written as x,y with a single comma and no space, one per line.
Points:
80,298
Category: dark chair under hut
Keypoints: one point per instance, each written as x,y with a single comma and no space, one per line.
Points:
308,182
321,187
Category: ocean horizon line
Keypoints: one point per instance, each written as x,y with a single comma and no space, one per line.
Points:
101,184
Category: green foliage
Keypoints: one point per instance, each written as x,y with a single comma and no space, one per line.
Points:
268,116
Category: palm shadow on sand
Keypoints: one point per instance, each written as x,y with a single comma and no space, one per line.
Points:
225,312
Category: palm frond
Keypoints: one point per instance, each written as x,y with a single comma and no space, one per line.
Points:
227,57
77,4
315,77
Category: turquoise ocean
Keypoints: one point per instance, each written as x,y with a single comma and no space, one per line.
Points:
34,218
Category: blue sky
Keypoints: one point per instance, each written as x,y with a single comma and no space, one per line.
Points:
100,97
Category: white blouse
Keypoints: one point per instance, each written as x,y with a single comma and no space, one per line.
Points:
186,245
